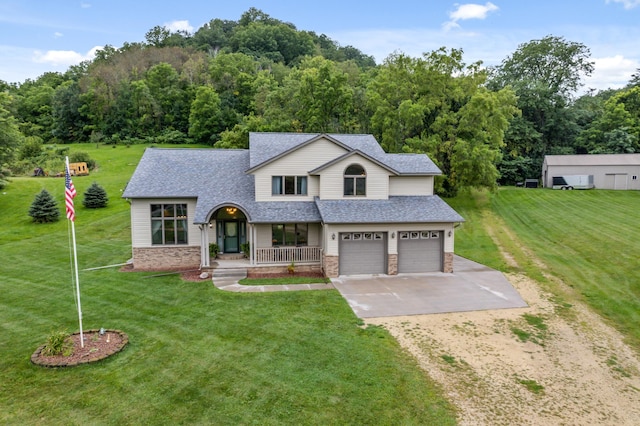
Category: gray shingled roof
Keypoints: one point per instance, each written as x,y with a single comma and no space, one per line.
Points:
216,177
266,147
397,209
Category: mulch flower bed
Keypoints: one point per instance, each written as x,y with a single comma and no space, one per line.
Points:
96,347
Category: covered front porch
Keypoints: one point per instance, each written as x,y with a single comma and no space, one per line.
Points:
259,244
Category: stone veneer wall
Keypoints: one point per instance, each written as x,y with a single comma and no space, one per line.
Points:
448,262
392,264
164,258
331,266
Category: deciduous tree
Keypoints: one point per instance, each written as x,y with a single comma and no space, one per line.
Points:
205,118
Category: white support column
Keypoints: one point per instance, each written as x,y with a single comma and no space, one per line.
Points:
204,248
254,249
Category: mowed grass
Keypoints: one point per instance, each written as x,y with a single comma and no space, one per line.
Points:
589,239
197,355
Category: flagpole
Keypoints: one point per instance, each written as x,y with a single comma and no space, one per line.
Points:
69,199
75,262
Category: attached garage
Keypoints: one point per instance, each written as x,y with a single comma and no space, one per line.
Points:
363,253
420,251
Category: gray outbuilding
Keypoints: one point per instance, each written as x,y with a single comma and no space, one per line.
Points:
609,171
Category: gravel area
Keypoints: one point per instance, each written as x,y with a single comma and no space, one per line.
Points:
548,364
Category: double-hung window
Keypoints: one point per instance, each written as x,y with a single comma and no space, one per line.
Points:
168,224
288,185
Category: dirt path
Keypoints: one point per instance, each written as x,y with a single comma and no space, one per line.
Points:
549,364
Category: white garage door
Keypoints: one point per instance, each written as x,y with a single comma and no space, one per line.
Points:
616,181
363,253
420,251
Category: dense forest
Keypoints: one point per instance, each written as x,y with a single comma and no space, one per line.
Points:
483,126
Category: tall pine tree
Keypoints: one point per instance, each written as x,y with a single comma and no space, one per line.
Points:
44,208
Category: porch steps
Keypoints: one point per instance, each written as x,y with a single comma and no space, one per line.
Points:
231,256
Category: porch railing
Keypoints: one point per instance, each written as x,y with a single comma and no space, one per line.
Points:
288,255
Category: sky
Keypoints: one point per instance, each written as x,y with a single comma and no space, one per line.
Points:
38,36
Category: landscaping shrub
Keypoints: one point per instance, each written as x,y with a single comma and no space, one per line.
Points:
44,208
95,197
58,343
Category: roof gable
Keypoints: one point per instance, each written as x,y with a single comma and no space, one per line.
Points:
266,148
353,153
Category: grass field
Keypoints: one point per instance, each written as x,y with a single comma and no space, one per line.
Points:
588,239
197,355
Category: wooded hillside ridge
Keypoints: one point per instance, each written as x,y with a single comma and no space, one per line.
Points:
483,126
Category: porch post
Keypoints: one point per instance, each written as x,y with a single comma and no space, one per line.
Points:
254,249
204,247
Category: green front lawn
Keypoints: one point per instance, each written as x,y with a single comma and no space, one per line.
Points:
197,355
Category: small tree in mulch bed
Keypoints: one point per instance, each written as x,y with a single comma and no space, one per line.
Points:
44,208
95,197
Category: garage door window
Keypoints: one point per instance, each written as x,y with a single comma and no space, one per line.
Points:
418,235
362,236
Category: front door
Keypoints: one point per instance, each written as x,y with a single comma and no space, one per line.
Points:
231,237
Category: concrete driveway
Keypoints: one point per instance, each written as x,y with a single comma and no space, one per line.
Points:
471,287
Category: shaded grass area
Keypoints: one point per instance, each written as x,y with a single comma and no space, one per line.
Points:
472,239
197,355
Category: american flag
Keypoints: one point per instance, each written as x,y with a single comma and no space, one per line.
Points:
69,195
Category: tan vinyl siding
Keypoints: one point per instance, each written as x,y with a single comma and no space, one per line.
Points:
332,180
314,234
263,232
411,185
297,163
141,221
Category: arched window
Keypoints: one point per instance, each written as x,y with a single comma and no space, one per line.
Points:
355,181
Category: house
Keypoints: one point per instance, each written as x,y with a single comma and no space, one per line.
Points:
334,202
609,171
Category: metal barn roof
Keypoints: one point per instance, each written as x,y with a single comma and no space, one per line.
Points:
593,160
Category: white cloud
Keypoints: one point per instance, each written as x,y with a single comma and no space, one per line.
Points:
63,58
628,4
612,72
57,34
469,11
179,26
84,5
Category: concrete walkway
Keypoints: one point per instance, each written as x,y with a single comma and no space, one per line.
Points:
227,279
